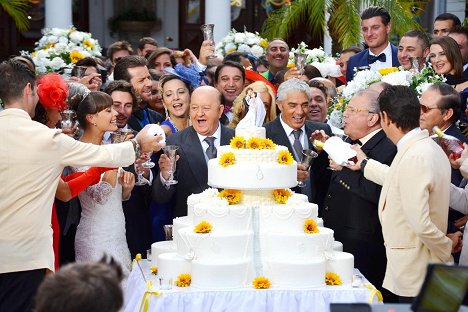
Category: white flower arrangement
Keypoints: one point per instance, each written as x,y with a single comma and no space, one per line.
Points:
317,57
59,49
242,42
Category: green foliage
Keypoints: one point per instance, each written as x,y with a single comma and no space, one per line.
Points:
16,9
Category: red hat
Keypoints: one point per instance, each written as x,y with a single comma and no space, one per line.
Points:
53,91
254,76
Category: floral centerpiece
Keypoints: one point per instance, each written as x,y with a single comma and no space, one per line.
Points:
317,57
59,49
245,41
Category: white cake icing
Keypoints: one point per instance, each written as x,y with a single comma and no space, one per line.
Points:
160,248
247,133
256,235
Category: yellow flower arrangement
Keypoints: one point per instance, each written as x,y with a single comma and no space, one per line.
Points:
269,144
227,159
232,196
255,143
332,279
203,227
261,282
282,195
285,158
154,270
237,142
310,226
75,56
387,70
183,280
88,44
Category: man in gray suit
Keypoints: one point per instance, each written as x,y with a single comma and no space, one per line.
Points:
197,144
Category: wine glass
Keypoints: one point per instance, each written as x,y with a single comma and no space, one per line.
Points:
67,122
148,164
171,152
208,34
308,156
80,71
300,59
116,137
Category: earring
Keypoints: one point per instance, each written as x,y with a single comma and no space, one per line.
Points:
95,124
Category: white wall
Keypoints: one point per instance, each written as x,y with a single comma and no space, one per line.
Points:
99,13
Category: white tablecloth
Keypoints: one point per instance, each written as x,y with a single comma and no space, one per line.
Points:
249,299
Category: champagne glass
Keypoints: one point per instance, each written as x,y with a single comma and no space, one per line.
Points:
67,122
116,137
148,164
208,34
141,180
300,60
171,152
80,71
307,158
168,232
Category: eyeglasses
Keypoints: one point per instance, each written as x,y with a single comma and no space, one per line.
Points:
354,110
426,109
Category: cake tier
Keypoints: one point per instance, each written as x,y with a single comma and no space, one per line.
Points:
287,218
254,132
160,248
341,263
178,224
215,246
252,176
295,247
171,265
209,195
227,218
249,156
337,246
296,274
221,275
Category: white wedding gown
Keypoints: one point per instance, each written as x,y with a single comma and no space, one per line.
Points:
102,225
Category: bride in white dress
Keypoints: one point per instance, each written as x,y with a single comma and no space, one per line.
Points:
102,225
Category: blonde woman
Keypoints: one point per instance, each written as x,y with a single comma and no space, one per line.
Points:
266,95
176,100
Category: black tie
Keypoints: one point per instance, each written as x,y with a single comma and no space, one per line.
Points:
297,144
211,150
352,142
373,58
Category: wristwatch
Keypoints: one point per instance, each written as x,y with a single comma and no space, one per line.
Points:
364,163
136,147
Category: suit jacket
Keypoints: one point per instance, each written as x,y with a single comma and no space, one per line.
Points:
137,120
351,211
319,174
454,131
362,59
413,211
465,73
191,169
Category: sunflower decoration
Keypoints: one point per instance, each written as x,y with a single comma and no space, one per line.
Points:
255,143
310,226
237,142
154,270
268,143
261,282
183,280
282,195
227,159
285,158
203,228
387,70
232,196
332,279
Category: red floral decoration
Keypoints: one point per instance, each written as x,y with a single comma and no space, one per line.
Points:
53,91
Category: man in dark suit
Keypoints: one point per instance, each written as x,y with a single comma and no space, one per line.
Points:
351,205
197,144
291,129
375,24
133,69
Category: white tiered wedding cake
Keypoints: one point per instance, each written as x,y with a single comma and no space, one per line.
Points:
255,227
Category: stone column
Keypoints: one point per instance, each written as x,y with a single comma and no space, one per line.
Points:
58,13
218,12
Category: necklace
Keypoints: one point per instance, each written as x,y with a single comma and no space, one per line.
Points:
173,125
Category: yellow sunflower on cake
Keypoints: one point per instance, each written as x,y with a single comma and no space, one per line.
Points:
255,143
261,282
310,226
232,196
203,228
269,144
332,279
285,158
227,159
282,195
154,270
237,142
183,280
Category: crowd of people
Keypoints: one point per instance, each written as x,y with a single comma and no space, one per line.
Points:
74,194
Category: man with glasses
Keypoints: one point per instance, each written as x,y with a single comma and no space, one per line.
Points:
350,207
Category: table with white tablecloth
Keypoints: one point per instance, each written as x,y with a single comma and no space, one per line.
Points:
246,299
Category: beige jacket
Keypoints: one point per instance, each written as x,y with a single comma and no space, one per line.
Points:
413,210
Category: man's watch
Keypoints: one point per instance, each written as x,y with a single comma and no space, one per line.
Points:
364,163
136,147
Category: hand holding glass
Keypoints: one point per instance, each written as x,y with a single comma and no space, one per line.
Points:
171,152
300,60
307,158
67,122
208,34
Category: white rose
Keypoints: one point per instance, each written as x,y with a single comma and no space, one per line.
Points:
230,47
77,36
57,63
63,40
257,51
239,38
229,38
243,48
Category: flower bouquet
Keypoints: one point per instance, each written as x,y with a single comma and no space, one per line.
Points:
245,41
59,49
316,57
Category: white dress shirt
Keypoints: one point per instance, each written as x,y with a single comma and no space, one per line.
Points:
302,138
388,58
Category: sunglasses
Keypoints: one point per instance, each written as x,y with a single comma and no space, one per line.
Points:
426,109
